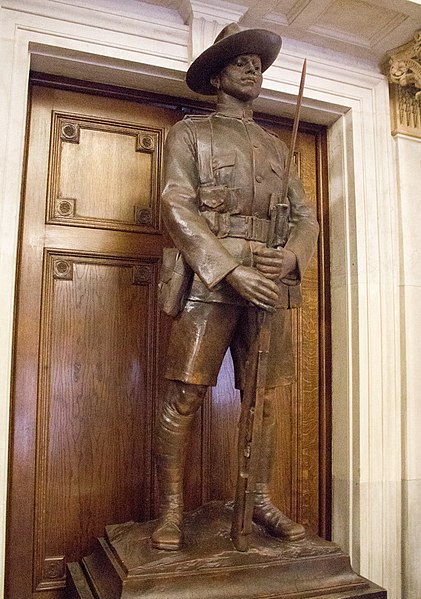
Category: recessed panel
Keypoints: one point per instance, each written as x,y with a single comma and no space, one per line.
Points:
104,175
362,20
97,371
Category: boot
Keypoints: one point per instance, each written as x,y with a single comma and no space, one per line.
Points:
275,521
265,512
172,435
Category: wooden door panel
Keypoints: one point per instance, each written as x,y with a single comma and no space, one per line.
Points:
307,396
90,344
104,173
97,366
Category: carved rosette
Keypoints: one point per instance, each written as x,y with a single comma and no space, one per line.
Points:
54,568
142,274
63,269
65,207
403,69
146,142
70,132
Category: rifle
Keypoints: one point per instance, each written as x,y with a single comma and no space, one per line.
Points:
251,419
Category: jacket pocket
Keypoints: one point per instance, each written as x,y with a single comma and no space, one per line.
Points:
223,160
223,166
213,197
277,169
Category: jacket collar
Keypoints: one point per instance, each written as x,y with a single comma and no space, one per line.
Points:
236,111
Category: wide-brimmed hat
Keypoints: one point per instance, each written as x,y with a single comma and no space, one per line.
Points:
231,42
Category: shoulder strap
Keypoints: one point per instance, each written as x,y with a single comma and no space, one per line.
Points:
203,129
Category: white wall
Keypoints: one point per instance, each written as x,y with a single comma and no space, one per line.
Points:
150,48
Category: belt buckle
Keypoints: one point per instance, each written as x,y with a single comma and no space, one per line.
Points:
249,228
255,228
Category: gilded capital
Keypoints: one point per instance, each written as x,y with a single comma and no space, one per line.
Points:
403,70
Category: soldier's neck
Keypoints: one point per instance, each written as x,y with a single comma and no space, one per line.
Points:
230,106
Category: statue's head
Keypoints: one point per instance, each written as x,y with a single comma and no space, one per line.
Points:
235,62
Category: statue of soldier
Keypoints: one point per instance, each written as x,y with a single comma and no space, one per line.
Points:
223,175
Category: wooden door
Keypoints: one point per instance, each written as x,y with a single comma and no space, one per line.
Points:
90,344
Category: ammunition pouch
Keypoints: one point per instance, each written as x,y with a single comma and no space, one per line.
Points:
219,198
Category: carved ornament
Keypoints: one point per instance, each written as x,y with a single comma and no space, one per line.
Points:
403,69
65,207
142,274
70,132
405,64
63,269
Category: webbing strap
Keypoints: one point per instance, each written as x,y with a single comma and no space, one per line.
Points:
203,128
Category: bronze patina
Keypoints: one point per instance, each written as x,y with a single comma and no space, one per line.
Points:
224,176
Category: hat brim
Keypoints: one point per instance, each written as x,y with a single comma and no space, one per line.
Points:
265,44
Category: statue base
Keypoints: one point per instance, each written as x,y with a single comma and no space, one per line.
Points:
124,565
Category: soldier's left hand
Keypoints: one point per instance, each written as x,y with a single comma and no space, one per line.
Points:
275,264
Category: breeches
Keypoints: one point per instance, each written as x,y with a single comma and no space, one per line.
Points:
202,333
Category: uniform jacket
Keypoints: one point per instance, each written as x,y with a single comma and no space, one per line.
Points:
247,165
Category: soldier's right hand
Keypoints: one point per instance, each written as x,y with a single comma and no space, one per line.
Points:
254,287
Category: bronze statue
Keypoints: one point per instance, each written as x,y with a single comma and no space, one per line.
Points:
244,235
223,180
243,240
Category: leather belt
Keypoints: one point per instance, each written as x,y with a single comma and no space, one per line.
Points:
251,228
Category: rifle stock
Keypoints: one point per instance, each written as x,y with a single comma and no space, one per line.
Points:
250,435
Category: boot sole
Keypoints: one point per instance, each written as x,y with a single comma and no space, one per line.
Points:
166,546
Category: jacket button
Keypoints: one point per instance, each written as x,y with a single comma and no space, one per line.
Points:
259,178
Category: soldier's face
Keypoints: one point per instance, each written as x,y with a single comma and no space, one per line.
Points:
241,78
